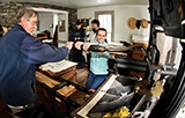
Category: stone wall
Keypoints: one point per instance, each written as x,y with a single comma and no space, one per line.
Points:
8,12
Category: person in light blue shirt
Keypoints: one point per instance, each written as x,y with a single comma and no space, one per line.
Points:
98,63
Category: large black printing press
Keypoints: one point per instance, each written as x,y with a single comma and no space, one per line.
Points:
159,93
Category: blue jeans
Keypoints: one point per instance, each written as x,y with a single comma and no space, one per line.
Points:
94,81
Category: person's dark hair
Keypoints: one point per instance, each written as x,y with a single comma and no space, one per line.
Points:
95,21
26,12
78,22
102,29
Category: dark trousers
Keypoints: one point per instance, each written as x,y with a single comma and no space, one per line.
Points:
78,57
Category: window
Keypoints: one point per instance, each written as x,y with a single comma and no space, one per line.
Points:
106,21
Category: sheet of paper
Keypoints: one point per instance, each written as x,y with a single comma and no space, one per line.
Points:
58,66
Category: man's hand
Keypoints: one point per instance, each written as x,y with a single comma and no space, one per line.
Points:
78,45
69,44
77,38
85,45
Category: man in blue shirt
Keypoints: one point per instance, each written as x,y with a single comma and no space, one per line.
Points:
78,34
20,53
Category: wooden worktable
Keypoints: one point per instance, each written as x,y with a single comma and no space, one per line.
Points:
64,69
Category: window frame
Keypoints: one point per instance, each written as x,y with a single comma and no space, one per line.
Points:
112,18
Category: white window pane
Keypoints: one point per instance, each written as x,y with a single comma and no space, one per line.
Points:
105,21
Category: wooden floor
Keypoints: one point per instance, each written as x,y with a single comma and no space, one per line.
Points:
82,75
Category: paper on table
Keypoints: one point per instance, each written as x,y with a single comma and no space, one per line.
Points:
58,66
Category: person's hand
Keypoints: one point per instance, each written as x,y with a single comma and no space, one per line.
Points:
76,38
69,44
86,46
78,45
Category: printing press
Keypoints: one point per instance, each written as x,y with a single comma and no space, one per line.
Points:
138,94
159,93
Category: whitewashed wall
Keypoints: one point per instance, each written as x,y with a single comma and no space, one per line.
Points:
63,36
45,19
121,15
48,17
